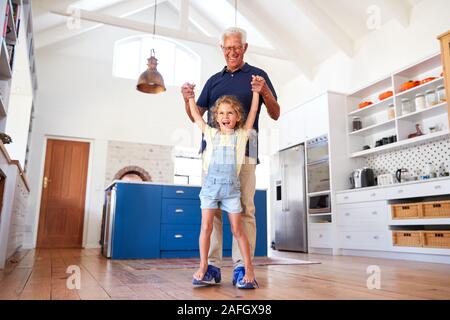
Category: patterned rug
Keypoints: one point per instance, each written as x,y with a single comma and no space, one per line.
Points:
188,263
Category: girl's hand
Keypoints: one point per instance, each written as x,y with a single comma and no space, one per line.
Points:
187,90
258,84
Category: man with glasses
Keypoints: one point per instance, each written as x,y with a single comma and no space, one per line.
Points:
236,79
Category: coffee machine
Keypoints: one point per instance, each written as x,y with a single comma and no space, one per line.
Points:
361,178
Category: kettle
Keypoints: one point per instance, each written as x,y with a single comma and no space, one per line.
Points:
399,173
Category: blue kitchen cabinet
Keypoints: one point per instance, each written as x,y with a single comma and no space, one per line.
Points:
145,220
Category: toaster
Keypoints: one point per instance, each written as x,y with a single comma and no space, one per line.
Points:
384,179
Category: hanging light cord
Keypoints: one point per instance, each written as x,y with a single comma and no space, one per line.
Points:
235,13
154,21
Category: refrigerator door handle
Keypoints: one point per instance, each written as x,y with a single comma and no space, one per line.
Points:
285,200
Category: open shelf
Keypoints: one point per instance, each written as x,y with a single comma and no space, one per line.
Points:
422,88
427,112
373,108
378,127
415,222
401,143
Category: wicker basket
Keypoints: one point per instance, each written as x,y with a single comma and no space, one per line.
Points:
436,209
406,211
407,238
436,239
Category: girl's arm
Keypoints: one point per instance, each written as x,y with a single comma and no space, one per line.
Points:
196,115
253,110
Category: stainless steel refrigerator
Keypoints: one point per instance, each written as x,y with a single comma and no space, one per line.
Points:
290,201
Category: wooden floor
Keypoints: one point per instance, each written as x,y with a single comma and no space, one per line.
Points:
41,274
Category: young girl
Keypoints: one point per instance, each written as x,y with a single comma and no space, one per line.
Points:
223,156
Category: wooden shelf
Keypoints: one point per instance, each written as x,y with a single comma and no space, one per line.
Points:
378,127
428,112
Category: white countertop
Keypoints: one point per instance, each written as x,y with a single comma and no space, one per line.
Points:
396,184
161,184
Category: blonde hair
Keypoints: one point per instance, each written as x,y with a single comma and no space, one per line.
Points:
235,104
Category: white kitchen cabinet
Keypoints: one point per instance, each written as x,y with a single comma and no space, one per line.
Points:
320,235
361,195
292,129
316,117
364,240
363,215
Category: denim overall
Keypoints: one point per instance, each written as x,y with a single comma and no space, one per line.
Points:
222,182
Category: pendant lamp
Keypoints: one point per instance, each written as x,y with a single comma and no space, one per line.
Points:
151,81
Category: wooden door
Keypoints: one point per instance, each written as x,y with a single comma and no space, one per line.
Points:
63,194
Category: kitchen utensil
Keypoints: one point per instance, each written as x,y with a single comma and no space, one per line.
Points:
430,98
409,85
417,133
441,94
385,179
385,95
427,80
403,175
364,104
356,123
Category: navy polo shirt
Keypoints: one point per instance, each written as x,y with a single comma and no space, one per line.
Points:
238,84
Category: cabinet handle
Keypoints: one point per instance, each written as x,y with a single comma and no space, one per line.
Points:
374,213
400,191
373,194
179,210
437,187
179,191
178,236
347,214
375,237
320,235
348,237
346,197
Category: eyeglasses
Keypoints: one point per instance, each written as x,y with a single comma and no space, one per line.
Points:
235,49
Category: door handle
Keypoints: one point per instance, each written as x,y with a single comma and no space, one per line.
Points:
179,210
179,191
286,203
178,236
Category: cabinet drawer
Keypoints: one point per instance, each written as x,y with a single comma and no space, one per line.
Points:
320,237
181,211
372,240
179,237
180,192
361,196
419,190
362,216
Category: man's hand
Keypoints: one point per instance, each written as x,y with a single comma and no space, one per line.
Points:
187,90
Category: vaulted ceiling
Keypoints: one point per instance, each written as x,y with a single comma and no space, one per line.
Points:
305,32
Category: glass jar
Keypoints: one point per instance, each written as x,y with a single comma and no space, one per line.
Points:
420,101
441,96
407,106
391,111
430,98
356,123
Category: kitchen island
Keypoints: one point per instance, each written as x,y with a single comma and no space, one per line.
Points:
144,220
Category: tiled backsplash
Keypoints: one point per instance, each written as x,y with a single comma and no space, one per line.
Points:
155,159
414,158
